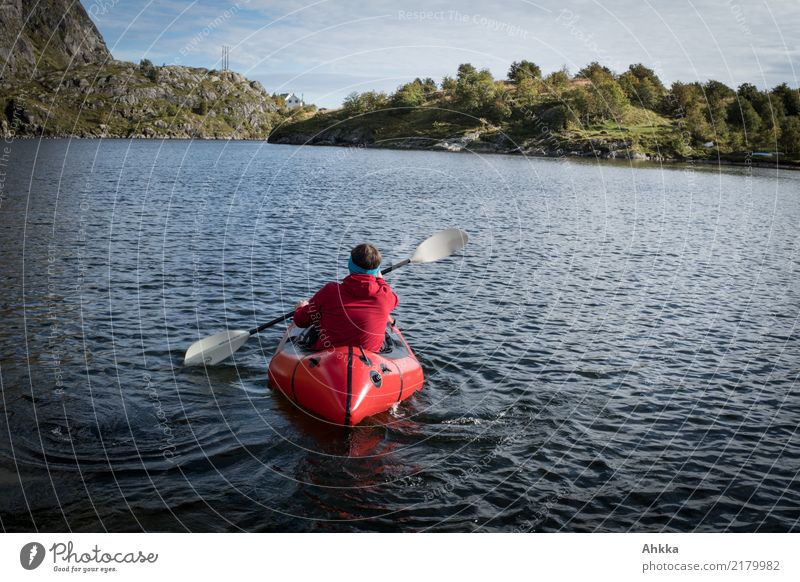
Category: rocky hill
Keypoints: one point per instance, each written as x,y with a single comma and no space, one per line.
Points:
59,79
46,34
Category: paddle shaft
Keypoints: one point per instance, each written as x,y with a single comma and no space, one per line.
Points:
286,316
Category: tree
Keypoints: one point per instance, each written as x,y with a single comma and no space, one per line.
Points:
500,109
717,95
758,99
527,93
523,70
352,104
428,85
595,72
475,90
357,104
641,85
717,91
598,102
557,82
790,135
790,98
741,114
201,108
409,95
449,86
698,125
683,97
374,100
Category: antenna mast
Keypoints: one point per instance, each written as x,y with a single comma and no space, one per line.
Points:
226,54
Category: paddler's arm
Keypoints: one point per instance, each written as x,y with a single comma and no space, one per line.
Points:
391,296
302,314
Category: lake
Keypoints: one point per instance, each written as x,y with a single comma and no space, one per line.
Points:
615,350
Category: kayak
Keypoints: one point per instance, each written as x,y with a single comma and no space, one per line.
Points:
344,385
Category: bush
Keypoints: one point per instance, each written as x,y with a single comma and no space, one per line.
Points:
555,118
149,70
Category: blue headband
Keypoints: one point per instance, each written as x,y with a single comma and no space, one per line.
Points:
361,270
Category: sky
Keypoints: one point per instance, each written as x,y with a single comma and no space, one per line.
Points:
326,49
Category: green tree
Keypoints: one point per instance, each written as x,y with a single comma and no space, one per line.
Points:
758,99
520,70
718,95
641,85
790,98
790,135
598,102
500,109
449,86
374,100
682,98
527,93
409,95
359,103
718,92
742,115
595,72
475,90
352,104
556,83
698,125
428,85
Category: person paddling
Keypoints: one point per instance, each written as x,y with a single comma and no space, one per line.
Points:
354,312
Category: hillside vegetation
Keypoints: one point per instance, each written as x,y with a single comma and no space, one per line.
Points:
593,113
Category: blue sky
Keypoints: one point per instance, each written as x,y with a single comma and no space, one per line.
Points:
326,49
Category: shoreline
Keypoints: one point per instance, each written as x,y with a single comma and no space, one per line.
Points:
406,146
654,162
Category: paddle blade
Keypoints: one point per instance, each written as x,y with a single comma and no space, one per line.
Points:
215,348
440,245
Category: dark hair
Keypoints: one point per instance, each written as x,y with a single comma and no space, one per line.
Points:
366,256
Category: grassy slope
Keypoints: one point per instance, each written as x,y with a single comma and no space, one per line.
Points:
639,130
646,130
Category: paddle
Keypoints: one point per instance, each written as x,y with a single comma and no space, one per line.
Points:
215,348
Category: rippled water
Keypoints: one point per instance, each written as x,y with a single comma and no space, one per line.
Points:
616,349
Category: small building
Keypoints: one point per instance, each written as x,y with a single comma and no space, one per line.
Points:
292,101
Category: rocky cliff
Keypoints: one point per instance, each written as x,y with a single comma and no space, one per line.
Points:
46,34
59,79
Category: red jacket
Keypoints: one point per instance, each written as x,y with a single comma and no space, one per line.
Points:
351,313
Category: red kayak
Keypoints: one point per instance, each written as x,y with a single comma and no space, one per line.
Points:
344,385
